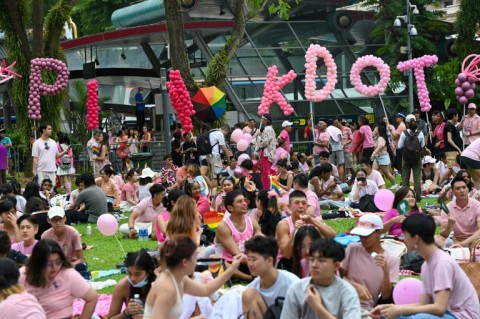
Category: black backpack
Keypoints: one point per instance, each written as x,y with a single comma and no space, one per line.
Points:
203,143
275,310
412,149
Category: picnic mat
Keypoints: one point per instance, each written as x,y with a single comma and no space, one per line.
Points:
103,305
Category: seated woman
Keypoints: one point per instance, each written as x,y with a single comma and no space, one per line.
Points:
15,302
108,185
139,279
228,185
145,183
392,220
129,195
196,175
38,207
185,220
447,292
430,173
302,240
447,195
47,189
165,297
163,218
284,177
9,218
193,190
268,214
50,278
17,192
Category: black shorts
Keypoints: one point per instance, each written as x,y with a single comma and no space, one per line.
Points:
468,163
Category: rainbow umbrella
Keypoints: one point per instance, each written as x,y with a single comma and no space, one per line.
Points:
209,104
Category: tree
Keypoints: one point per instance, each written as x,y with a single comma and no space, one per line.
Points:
467,27
17,19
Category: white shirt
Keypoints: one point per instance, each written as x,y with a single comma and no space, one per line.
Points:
217,140
370,189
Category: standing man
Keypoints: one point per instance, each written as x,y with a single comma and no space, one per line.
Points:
285,134
321,141
94,148
268,149
5,140
45,154
422,126
140,109
341,124
470,124
219,146
400,118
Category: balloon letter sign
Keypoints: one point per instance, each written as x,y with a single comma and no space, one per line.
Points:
313,52
418,65
38,88
92,105
181,99
272,89
383,70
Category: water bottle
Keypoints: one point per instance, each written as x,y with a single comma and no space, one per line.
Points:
143,234
89,230
137,300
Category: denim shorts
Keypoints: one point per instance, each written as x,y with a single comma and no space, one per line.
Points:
383,159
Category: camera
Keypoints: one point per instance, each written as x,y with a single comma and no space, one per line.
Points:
361,179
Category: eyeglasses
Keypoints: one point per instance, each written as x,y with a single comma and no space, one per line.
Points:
243,200
46,146
57,262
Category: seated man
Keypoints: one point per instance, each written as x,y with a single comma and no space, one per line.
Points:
326,187
324,159
324,295
372,174
235,229
92,197
66,236
145,213
269,283
463,217
370,269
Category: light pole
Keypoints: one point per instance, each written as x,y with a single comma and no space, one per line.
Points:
412,31
166,120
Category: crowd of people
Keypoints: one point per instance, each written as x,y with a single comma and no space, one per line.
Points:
273,235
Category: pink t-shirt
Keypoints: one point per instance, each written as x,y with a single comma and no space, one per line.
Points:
57,298
366,131
324,184
46,157
146,212
321,137
376,177
396,229
119,180
203,205
441,272
70,241
130,188
281,153
312,200
286,137
21,306
473,150
401,127
20,247
466,218
358,259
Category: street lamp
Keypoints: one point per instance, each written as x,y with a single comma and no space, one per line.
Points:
412,31
166,120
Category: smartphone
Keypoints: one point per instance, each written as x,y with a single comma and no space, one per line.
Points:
443,206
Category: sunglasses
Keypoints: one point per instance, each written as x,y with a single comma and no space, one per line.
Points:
46,146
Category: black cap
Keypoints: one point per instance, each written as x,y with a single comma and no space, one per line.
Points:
417,111
267,117
8,273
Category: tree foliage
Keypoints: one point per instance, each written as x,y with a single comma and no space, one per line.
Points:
17,19
467,26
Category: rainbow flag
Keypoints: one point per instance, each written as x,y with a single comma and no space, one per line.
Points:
96,150
274,184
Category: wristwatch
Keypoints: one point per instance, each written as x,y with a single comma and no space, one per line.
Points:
131,227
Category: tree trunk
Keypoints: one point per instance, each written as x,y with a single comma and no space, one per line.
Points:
11,11
37,26
176,40
218,66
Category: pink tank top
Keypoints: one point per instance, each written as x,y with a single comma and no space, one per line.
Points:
291,228
239,238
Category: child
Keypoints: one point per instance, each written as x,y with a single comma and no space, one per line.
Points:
196,175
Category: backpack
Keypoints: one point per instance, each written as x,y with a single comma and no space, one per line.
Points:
412,149
275,310
203,143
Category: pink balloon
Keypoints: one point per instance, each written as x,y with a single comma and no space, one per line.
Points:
384,199
238,172
241,158
242,145
407,291
237,135
247,137
107,225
